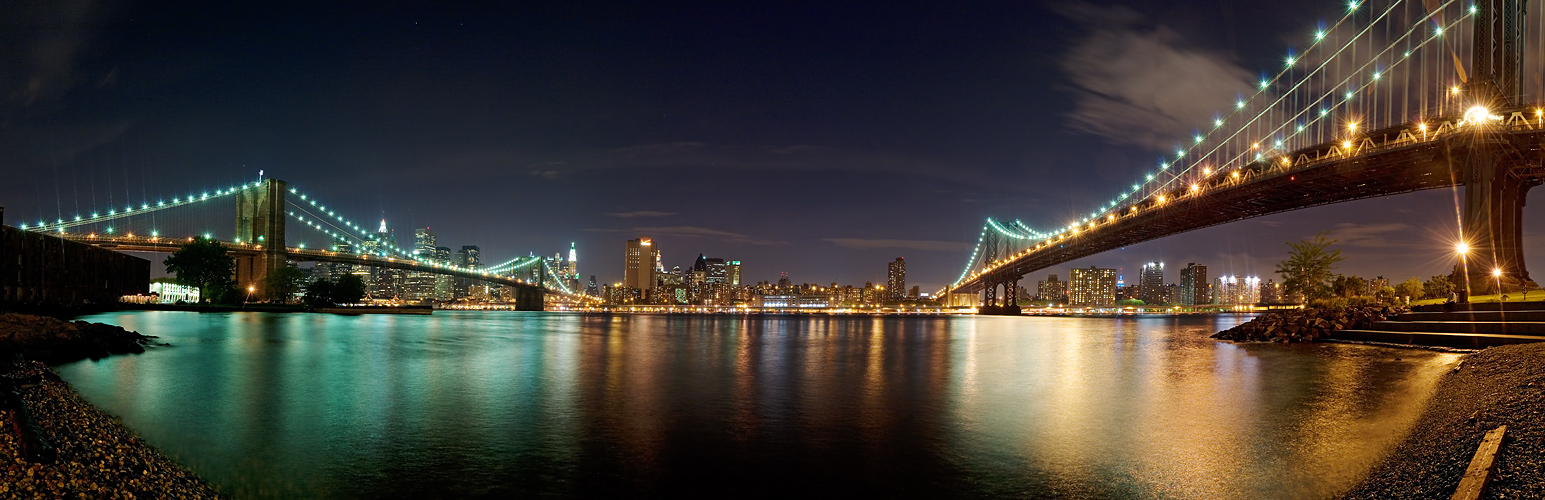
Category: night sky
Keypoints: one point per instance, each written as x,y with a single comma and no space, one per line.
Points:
823,139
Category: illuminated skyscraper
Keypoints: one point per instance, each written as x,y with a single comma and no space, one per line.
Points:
572,269
732,271
1092,287
1237,290
896,280
444,286
639,264
420,285
1194,289
1150,284
1051,288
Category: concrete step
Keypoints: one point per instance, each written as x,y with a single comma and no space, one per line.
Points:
1487,306
1438,339
1510,316
1489,327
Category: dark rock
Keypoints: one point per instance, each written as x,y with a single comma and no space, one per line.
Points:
55,341
1306,325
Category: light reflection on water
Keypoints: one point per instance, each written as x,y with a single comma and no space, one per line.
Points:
492,404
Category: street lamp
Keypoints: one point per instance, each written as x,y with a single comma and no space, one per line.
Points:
1464,263
1497,273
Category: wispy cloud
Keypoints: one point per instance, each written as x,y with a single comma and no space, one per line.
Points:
1142,84
640,213
1378,235
52,35
925,245
693,232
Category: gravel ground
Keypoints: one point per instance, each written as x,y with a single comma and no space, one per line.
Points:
97,456
1497,386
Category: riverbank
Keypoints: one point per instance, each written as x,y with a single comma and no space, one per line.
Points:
53,444
1497,386
1306,325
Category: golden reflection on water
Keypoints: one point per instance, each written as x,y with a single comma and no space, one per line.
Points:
1125,408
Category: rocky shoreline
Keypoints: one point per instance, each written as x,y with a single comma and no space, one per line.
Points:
54,341
1306,325
54,444
1496,386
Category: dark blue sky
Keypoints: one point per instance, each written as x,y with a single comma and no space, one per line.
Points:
819,138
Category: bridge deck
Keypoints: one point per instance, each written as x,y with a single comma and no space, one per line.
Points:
1381,163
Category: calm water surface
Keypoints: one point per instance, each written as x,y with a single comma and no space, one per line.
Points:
497,404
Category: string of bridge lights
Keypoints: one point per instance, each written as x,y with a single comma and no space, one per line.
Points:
1020,231
515,263
60,225
317,222
303,209
360,231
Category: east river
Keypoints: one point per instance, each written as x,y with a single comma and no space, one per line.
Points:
505,403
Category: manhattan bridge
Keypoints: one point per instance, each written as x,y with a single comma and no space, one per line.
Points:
1393,97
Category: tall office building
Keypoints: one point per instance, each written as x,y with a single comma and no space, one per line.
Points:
423,241
1194,289
470,257
444,285
1271,293
1051,288
420,285
591,290
1237,290
573,267
380,282
896,279
732,272
1150,284
639,264
1092,287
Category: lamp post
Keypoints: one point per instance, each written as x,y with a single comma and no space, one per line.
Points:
1497,273
1464,267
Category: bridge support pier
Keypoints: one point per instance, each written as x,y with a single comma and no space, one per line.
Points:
989,296
1491,220
990,303
260,222
1011,298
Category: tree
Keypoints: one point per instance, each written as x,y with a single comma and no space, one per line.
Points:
202,263
1348,286
348,290
1438,287
1308,267
282,283
319,293
1411,287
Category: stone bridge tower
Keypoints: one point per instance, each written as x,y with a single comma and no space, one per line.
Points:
260,222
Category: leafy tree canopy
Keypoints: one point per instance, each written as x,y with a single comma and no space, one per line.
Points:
1438,287
1308,267
1411,287
283,283
201,263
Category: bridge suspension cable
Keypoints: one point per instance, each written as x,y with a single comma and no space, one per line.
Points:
1329,93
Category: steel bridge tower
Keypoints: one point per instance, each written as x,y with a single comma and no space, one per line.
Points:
1492,215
